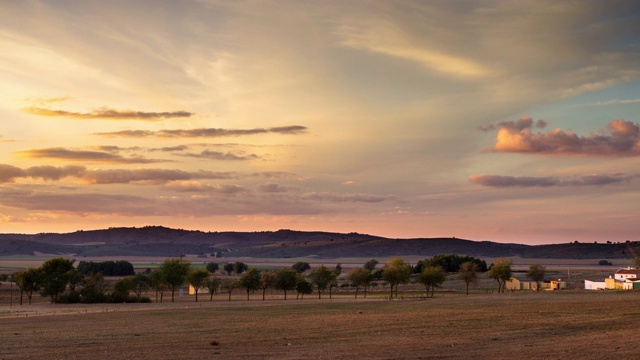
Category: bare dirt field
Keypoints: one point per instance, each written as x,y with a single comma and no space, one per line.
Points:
523,325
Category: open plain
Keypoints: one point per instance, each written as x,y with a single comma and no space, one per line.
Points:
522,325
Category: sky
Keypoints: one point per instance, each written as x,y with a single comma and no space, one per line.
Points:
509,121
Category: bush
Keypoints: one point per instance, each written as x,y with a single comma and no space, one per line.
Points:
604,263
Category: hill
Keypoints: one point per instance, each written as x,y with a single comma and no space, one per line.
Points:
164,242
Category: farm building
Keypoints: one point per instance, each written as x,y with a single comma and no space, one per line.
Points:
518,284
623,279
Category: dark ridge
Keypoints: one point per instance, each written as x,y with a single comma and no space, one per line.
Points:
166,242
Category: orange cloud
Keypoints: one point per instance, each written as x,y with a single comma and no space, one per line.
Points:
619,138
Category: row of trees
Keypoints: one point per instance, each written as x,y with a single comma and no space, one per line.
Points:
59,280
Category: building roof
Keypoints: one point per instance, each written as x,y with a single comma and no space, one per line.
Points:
629,271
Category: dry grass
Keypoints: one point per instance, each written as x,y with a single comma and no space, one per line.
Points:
585,325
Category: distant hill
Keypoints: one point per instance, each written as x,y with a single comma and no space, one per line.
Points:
165,242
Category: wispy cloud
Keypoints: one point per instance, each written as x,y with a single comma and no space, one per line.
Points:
9,173
387,39
206,132
619,138
83,155
612,102
218,155
499,181
106,113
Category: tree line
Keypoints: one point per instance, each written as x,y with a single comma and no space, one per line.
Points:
62,283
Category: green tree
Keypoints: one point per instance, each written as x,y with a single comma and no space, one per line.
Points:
140,283
303,288
212,267
213,285
229,285
321,277
197,279
28,281
158,283
56,274
361,277
301,267
468,273
396,272
285,280
536,273
431,277
267,278
371,265
121,290
250,280
175,272
501,272
240,267
228,268
93,288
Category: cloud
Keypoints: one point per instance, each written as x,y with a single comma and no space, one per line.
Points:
108,114
170,148
499,181
273,188
158,176
390,40
217,155
619,138
206,132
83,155
341,198
9,173
524,122
199,187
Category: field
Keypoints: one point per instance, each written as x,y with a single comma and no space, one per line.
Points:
523,325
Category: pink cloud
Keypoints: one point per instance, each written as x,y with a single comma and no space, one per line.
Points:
619,138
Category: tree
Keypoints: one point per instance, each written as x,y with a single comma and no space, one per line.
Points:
333,280
395,272
450,262
285,280
501,272
121,290
175,272
28,281
93,288
431,277
361,277
158,283
228,268
140,283
301,267
250,280
321,277
213,285
636,261
212,267
468,273
266,281
240,267
229,285
371,265
304,288
536,273
56,274
197,278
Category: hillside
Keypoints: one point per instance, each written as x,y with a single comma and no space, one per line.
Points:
163,242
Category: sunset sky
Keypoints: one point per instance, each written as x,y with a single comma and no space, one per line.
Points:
510,121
